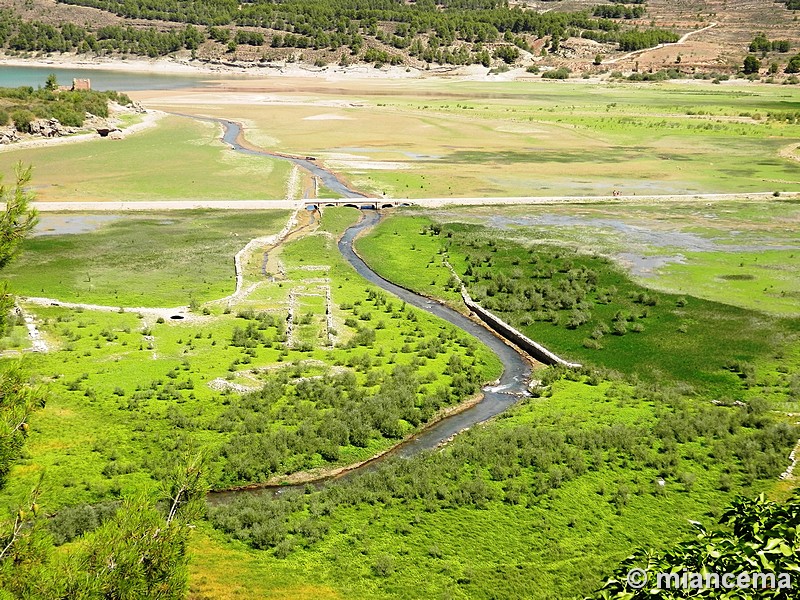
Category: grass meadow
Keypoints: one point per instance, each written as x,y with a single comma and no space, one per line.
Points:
558,543
466,139
127,393
739,252
179,159
144,260
619,324
540,502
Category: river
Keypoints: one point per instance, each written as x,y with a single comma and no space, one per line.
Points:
516,368
329,179
497,398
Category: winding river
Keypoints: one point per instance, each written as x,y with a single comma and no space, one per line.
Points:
496,398
232,135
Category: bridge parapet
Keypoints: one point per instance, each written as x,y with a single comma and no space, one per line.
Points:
360,203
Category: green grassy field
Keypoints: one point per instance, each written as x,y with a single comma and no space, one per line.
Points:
532,138
738,252
179,159
548,529
127,393
164,259
581,306
540,502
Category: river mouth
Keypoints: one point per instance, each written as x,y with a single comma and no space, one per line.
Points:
497,397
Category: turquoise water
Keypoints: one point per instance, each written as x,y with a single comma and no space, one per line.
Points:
102,80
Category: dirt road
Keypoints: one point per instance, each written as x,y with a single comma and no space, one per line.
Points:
422,202
682,40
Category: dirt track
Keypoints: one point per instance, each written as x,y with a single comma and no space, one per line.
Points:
681,41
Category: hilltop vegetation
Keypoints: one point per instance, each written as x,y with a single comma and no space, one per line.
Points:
457,32
24,104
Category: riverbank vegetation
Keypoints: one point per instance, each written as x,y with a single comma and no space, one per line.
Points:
728,251
545,499
583,307
275,382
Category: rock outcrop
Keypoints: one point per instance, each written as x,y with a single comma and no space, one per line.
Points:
49,128
8,135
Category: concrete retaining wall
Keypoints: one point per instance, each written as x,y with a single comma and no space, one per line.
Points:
537,351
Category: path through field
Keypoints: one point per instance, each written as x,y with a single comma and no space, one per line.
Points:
682,40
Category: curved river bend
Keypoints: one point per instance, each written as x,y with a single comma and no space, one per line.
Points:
496,398
232,133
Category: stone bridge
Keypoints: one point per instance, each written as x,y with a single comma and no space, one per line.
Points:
361,203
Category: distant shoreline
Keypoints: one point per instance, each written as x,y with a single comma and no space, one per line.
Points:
255,71
172,66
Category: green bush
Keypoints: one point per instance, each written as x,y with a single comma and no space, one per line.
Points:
22,119
560,73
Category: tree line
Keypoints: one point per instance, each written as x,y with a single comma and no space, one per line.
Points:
449,31
35,36
761,43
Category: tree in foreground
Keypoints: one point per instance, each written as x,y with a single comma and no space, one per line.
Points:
16,221
140,552
758,541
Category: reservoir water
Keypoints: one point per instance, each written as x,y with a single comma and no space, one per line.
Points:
102,80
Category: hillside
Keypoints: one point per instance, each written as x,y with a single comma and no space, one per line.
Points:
584,35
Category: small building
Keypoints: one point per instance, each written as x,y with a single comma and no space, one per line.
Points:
83,85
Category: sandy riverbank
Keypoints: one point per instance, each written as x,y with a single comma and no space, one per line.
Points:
170,65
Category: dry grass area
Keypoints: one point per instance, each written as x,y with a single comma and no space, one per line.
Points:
221,570
470,139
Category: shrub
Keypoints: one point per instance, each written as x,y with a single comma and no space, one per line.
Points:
560,73
22,119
